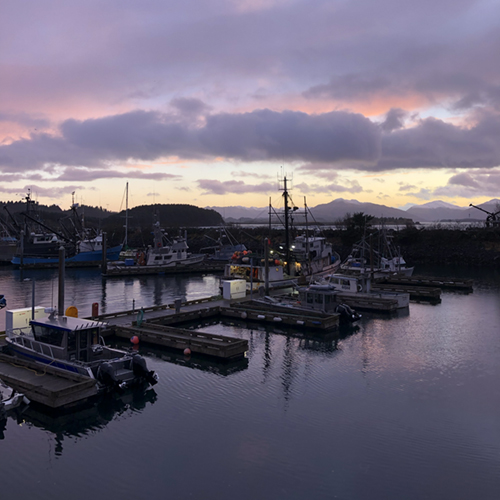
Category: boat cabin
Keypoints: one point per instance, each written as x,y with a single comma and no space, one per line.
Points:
319,298
349,283
69,338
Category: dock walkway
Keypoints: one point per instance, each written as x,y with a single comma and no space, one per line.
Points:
47,385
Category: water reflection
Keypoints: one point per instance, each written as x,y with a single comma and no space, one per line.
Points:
88,419
194,361
83,287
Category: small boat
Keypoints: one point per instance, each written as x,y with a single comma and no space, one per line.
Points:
76,345
10,399
322,302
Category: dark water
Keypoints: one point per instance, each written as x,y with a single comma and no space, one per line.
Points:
402,408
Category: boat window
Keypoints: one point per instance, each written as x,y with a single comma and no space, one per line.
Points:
84,342
318,298
158,257
327,299
48,335
345,283
309,298
71,342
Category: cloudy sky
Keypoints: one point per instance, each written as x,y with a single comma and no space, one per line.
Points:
209,102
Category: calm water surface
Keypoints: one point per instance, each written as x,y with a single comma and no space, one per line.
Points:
405,407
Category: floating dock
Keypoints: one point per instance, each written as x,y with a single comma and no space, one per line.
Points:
417,293
136,270
425,281
45,384
197,342
364,302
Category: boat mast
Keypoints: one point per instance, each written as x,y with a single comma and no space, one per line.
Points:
287,229
125,240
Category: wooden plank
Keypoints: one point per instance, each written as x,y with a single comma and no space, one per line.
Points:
453,283
45,384
179,338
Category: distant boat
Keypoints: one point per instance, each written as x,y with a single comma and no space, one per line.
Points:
88,253
377,255
83,246
306,254
164,254
224,248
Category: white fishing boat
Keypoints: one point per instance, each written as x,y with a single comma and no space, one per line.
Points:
377,255
76,345
313,255
357,287
164,254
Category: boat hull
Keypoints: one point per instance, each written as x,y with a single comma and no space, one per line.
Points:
82,258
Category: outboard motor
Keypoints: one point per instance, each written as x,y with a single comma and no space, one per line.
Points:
141,370
347,314
106,374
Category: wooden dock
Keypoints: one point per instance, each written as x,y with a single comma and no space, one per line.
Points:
45,384
297,318
417,293
136,270
365,303
197,342
425,281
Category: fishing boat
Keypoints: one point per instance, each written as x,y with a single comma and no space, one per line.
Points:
355,290
76,345
377,255
39,245
313,255
8,243
163,255
306,254
224,247
326,303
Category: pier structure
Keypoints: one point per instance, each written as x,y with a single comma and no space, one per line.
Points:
44,384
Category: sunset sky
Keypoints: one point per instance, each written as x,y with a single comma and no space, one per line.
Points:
208,102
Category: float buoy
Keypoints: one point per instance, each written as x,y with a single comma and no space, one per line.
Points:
187,351
134,340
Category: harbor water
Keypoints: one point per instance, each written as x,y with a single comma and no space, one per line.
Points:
401,407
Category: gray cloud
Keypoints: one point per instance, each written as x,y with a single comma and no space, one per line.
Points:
235,187
437,144
82,175
52,192
394,119
25,119
149,135
354,187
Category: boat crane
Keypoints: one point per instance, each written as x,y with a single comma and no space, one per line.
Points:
492,216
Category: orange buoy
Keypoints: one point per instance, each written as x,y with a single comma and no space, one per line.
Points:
134,340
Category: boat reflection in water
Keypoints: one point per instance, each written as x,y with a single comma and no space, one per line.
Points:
88,419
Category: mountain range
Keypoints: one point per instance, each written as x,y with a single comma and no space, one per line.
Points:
434,211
